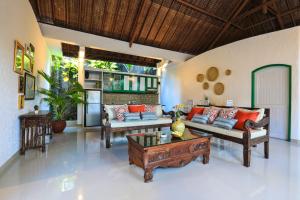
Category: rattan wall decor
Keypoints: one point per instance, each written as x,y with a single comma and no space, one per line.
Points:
205,85
227,72
219,88
200,78
212,74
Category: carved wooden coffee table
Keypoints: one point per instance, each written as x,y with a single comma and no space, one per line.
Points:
150,151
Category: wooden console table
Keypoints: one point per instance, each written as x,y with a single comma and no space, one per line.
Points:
34,128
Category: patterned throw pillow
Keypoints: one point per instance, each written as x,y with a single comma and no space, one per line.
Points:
224,123
212,112
202,119
150,108
120,110
228,113
154,108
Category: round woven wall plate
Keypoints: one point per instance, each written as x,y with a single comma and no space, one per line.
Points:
212,74
227,72
205,85
200,78
219,88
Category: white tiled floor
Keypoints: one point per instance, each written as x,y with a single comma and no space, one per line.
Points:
77,166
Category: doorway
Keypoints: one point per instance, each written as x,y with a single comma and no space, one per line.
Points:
271,88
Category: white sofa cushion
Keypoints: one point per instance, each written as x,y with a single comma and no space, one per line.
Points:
233,132
122,124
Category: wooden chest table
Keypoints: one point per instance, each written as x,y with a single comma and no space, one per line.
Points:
151,151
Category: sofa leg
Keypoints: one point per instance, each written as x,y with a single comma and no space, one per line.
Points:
247,156
107,137
266,148
102,132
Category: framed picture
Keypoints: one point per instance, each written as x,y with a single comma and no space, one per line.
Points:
29,87
21,84
27,49
27,63
21,101
18,58
32,50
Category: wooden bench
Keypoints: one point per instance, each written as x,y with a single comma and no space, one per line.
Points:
110,127
246,139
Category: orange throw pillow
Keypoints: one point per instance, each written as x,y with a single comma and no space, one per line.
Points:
136,108
244,116
195,110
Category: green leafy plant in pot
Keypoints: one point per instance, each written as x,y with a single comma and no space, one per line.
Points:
60,101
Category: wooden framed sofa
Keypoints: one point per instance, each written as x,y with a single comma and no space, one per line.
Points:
111,125
255,132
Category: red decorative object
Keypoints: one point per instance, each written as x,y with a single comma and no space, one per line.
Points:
244,116
136,108
195,110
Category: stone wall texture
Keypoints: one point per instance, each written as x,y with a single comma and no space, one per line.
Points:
119,98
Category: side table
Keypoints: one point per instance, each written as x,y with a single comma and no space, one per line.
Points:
34,128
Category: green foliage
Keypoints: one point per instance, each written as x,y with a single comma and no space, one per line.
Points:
63,99
105,65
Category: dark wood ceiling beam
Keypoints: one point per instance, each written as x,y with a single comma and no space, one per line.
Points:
135,23
254,10
288,6
289,12
227,25
207,13
278,16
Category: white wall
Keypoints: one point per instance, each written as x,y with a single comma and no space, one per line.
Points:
242,57
17,21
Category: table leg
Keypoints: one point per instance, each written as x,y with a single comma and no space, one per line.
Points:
148,175
205,158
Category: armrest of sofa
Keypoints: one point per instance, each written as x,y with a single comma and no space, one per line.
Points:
264,123
171,113
105,119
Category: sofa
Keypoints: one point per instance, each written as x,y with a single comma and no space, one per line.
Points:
250,133
111,124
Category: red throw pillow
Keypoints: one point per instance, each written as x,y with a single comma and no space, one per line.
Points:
195,110
244,116
136,108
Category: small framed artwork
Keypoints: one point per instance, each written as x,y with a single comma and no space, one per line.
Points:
27,49
29,87
21,102
21,84
32,50
18,58
27,63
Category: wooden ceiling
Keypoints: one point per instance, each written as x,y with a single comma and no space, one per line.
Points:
97,54
71,50
188,26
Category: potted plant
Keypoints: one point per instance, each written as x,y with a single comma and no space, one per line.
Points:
59,102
